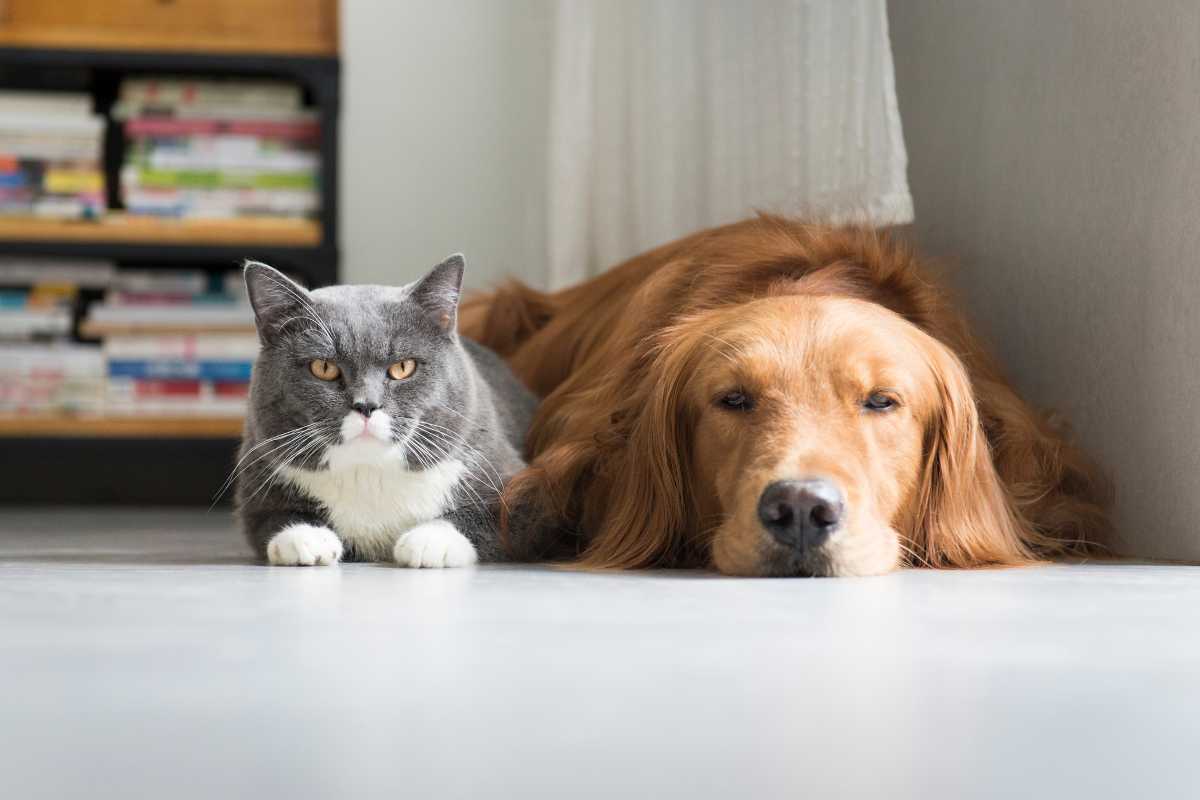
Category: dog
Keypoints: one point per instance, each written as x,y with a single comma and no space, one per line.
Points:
777,398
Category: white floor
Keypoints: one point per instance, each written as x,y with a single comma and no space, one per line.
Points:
143,655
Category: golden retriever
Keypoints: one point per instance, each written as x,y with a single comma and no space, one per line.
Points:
777,398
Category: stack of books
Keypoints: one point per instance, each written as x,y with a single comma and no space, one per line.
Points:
175,343
51,162
218,149
45,370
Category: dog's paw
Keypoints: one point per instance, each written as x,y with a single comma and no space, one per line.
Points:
435,545
303,545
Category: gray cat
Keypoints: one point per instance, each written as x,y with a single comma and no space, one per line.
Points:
375,432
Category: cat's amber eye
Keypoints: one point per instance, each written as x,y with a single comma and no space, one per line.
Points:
325,370
402,369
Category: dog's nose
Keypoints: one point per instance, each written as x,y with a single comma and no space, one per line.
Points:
365,409
802,513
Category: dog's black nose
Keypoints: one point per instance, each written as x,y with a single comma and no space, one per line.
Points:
802,513
365,408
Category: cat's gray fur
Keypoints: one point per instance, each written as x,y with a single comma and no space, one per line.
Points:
462,405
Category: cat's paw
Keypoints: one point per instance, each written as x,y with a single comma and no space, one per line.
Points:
304,545
434,544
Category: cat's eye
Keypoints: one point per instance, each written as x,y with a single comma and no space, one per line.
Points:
324,369
402,369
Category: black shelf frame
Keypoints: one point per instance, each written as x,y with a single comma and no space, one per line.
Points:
158,470
144,471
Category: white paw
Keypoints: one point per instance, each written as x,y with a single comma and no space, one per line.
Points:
434,544
304,545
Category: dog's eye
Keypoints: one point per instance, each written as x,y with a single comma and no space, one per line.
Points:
878,401
736,401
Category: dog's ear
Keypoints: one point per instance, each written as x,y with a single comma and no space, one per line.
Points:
615,466
639,506
610,477
965,516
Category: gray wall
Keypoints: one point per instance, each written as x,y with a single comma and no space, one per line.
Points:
1055,158
445,120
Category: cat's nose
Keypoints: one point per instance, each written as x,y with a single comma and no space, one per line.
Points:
364,408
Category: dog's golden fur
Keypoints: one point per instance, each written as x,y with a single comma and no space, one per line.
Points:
633,465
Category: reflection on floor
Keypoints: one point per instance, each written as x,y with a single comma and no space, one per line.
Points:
144,654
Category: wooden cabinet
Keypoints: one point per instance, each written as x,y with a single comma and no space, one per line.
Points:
307,27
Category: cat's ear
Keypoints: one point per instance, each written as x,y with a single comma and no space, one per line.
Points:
437,293
275,298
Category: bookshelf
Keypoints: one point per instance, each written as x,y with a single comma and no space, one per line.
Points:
142,459
307,249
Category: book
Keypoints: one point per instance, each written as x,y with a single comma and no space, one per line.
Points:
167,92
171,315
220,203
52,378
303,128
176,281
134,177
196,371
70,104
21,271
33,322
181,369
88,127
51,150
200,346
218,149
124,396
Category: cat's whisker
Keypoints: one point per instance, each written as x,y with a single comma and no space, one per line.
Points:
435,431
433,436
464,444
290,452
241,465
296,439
288,459
466,486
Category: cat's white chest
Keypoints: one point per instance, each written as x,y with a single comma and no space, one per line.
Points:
369,505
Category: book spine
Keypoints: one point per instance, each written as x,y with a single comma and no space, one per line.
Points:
180,369
154,127
216,179
194,347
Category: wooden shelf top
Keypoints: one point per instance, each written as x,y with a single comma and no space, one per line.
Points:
120,427
124,229
256,26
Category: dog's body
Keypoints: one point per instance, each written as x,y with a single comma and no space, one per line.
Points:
623,460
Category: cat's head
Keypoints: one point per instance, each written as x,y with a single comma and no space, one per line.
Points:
359,374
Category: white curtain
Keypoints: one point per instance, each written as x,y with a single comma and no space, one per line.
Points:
673,115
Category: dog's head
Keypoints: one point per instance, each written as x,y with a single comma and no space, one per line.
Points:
791,435
832,437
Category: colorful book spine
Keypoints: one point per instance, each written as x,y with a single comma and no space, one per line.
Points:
180,369
50,155
215,179
303,130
